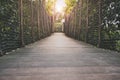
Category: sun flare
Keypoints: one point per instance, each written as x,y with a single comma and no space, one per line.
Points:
59,6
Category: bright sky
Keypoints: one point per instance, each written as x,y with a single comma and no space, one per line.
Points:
60,4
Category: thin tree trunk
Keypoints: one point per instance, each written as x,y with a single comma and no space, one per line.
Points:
32,23
42,19
100,21
74,25
38,19
80,16
21,23
87,23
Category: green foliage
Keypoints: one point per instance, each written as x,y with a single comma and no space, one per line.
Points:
34,27
70,4
96,23
111,22
50,6
9,29
118,45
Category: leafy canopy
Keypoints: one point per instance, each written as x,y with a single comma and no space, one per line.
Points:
50,6
70,4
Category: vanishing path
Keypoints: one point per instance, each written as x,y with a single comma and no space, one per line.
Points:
60,58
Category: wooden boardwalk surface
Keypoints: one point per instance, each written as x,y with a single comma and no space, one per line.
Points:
60,58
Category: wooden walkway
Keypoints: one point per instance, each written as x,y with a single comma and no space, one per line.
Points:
60,58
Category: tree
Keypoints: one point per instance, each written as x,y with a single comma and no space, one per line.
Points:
50,6
70,4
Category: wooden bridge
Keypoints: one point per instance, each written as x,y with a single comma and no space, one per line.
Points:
88,48
59,57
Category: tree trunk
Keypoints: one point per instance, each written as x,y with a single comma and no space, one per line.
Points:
38,18
80,18
32,22
99,27
87,23
21,23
